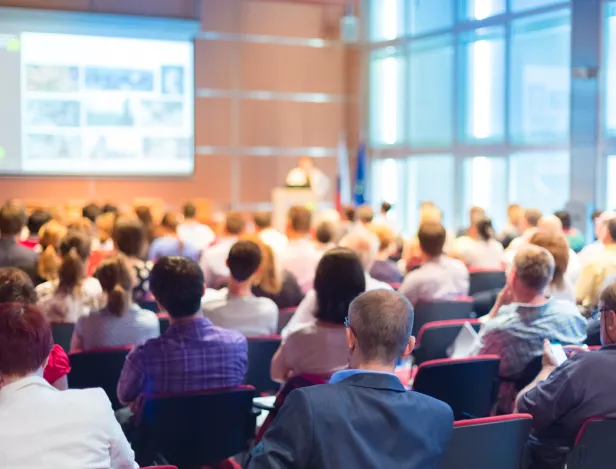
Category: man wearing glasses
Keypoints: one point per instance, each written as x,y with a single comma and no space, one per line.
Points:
562,397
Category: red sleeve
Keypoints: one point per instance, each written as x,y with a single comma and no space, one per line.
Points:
58,365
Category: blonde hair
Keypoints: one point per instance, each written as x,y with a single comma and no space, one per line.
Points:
82,225
117,280
50,235
105,224
268,277
385,235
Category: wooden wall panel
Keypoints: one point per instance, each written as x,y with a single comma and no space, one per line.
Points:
214,63
213,121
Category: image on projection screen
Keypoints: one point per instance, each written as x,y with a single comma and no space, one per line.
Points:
89,105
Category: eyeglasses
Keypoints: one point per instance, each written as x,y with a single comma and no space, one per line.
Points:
347,324
598,312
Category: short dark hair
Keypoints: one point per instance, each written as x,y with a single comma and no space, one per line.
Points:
177,284
611,228
485,228
189,210
262,219
91,212
235,223
110,208
325,231
36,220
244,260
432,238
170,220
300,219
129,236
12,219
385,207
16,287
349,212
382,321
565,218
339,279
532,216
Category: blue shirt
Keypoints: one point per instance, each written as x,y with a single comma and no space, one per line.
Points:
344,374
170,246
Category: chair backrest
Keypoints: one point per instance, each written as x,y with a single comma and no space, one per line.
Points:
62,334
468,385
260,353
434,338
486,280
196,429
284,316
163,320
440,311
594,445
488,443
100,368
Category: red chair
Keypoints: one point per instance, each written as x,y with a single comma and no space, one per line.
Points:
260,353
441,311
96,257
594,445
488,443
394,285
98,368
468,385
434,338
195,429
284,316
486,280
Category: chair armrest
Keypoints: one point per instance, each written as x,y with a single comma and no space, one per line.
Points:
258,405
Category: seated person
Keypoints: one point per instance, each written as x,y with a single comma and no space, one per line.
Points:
365,418
523,317
267,233
574,237
17,287
50,236
40,426
192,231
319,347
193,354
235,307
383,268
12,254
562,397
324,235
104,226
214,259
169,244
36,220
121,322
439,277
560,287
72,294
479,249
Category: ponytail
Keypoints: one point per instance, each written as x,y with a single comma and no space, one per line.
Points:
118,300
72,271
48,264
485,229
117,280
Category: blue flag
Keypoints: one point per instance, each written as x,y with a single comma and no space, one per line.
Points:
360,176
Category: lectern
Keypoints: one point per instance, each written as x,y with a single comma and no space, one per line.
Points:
283,198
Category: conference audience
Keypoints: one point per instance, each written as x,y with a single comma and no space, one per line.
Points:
562,397
512,228
523,317
268,234
528,227
40,426
574,237
383,268
50,237
301,256
17,287
324,235
364,214
319,346
12,254
439,277
479,249
193,232
72,294
214,260
169,243
130,238
121,322
364,418
474,215
235,307
82,225
91,212
110,208
600,224
385,217
560,286
105,222
145,216
36,220
192,354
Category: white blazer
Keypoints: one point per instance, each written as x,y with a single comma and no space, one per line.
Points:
41,427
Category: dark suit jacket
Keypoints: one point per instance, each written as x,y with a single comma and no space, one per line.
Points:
13,254
366,421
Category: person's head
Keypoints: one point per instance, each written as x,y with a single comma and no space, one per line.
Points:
299,220
129,236
16,287
12,219
601,224
607,307
144,214
177,283
386,237
432,237
485,230
110,208
83,225
74,253
91,212
306,163
348,213
48,263
267,277
235,224
385,207
557,245
530,219
36,220
325,232
25,341
189,210
380,324
170,221
609,233
339,279
475,214
262,220
429,213
105,223
550,224
533,270
364,243
244,260
565,219
117,280
515,212
365,214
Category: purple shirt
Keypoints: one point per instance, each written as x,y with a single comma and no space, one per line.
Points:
189,356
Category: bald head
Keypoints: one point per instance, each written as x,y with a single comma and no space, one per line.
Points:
550,224
382,321
364,243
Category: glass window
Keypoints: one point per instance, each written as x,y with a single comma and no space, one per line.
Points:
431,15
539,180
485,185
388,180
520,5
386,19
386,97
485,84
430,179
540,78
481,9
611,182
431,92
610,65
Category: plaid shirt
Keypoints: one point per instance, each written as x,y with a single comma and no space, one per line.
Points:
189,356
